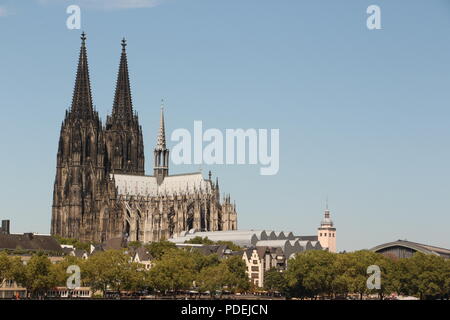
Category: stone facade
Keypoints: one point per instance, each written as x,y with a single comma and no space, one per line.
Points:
101,190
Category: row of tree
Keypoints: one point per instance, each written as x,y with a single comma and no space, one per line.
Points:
320,273
311,274
173,270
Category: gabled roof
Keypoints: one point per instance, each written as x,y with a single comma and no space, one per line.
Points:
143,254
262,251
67,251
79,253
248,252
316,245
29,241
96,248
220,250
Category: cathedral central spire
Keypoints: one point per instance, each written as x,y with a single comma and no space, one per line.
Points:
82,98
161,140
161,153
123,106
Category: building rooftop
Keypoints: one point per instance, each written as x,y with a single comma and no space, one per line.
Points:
418,247
135,185
29,241
286,241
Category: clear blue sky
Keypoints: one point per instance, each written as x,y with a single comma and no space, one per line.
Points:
363,115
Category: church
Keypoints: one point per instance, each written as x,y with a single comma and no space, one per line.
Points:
101,190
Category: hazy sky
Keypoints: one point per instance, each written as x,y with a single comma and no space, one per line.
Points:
363,115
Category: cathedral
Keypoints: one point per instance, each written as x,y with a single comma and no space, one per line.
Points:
101,190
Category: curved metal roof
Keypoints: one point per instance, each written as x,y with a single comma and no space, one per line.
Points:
413,246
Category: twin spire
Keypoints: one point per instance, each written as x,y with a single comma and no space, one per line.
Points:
82,106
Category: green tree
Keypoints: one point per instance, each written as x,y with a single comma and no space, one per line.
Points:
73,242
401,277
134,244
387,267
310,274
17,271
199,240
158,249
206,241
230,245
38,276
136,278
111,269
275,280
173,271
203,261
5,265
429,273
214,278
237,267
360,261
341,283
60,269
447,279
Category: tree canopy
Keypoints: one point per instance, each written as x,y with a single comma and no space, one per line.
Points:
310,274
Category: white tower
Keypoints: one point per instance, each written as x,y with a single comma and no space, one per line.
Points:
326,233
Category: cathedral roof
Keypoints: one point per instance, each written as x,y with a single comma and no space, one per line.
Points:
135,185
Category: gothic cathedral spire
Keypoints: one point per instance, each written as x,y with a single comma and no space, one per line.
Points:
125,147
123,106
80,166
82,97
161,140
161,153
